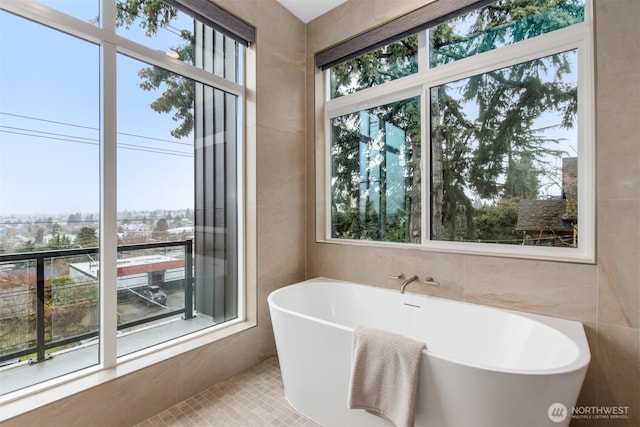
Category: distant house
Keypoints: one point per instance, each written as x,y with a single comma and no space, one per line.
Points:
553,222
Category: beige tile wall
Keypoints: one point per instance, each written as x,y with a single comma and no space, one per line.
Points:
277,174
605,296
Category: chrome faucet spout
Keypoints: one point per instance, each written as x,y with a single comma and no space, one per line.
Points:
406,282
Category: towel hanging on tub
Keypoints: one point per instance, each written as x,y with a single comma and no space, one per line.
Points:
384,374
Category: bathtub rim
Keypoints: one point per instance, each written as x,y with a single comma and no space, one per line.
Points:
573,330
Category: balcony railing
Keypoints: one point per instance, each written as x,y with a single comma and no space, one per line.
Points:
37,309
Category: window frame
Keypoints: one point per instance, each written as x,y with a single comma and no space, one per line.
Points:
576,37
111,366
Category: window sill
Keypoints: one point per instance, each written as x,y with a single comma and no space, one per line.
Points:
570,255
31,398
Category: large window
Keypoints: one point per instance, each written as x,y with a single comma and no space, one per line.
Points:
499,136
120,183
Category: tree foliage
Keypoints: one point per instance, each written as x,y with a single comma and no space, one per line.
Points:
160,229
87,236
59,241
64,291
495,223
162,225
153,14
381,65
178,91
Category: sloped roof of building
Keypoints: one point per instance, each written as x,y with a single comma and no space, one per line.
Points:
541,215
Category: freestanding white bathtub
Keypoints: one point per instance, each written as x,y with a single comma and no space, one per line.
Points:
482,367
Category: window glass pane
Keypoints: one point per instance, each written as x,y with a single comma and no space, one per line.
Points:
375,177
504,155
167,29
390,62
49,201
86,10
499,24
176,181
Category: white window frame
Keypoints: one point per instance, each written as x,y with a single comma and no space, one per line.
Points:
111,366
578,36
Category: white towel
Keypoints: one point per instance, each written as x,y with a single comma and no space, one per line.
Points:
384,374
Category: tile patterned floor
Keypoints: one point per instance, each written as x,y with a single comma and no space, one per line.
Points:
253,398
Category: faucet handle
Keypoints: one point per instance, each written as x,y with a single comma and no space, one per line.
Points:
395,276
430,281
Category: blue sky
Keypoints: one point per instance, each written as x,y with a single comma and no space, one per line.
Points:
49,120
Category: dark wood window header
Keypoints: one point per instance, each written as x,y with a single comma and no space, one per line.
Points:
219,19
427,16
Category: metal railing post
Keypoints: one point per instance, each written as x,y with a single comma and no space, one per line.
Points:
40,296
188,279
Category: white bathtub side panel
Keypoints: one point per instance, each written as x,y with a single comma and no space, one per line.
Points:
455,395
315,360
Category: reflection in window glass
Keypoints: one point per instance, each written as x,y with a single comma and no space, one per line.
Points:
499,24
375,185
390,62
179,36
49,201
504,155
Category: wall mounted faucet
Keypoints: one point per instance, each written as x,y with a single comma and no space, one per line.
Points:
406,282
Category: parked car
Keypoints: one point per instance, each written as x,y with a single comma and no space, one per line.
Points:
152,294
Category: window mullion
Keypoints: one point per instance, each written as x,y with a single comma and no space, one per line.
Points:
108,197
425,166
423,51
